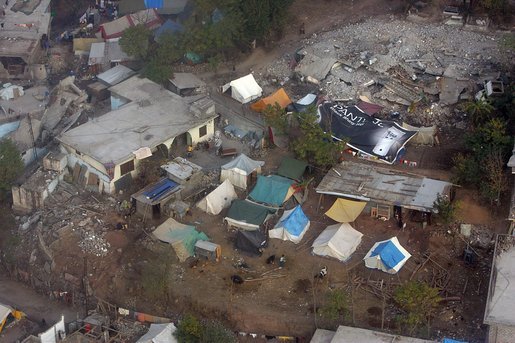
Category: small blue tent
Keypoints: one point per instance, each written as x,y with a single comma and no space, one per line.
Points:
271,190
292,226
389,256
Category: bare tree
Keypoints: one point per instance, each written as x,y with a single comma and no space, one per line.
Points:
496,180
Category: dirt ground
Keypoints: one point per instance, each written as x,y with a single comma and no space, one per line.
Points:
286,305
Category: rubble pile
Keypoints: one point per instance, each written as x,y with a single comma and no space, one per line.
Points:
94,243
394,63
130,329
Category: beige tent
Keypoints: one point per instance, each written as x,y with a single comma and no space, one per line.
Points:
240,169
218,199
338,241
424,136
345,211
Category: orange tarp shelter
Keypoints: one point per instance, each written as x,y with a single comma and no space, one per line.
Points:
279,97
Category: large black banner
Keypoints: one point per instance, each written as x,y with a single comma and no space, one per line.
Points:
372,136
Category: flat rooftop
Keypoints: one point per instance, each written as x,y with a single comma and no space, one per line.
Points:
146,123
348,334
382,185
24,24
500,303
139,88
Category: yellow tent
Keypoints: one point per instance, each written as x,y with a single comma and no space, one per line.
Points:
279,97
5,311
345,211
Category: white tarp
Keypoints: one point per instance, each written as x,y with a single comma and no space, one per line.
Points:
4,312
218,199
425,135
338,241
53,334
388,256
159,333
244,89
11,92
238,169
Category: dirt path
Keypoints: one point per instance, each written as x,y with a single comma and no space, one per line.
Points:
35,305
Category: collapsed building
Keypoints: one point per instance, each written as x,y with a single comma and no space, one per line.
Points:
23,38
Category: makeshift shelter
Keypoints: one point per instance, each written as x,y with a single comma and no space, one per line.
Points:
247,215
292,168
279,97
182,237
240,170
159,333
218,199
97,53
116,75
151,200
345,211
292,226
115,28
244,89
272,190
388,256
424,136
250,242
303,104
338,241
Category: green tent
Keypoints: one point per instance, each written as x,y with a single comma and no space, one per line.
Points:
193,58
182,237
292,168
247,215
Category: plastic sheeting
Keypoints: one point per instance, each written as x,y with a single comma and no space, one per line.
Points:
159,333
292,168
424,136
271,190
388,256
345,211
218,199
338,241
238,169
182,237
292,226
279,97
116,75
11,92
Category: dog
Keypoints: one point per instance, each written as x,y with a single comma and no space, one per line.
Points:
236,279
322,273
270,259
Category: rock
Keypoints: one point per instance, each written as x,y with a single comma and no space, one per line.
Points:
46,267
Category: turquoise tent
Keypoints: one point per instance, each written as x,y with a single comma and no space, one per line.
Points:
271,190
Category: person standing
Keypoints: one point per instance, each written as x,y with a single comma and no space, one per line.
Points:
282,261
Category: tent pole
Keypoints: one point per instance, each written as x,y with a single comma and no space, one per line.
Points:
319,202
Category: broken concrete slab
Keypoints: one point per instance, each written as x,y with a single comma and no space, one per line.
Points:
450,90
316,67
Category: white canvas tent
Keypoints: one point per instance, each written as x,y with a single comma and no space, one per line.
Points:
244,89
238,170
388,256
218,199
338,241
292,226
159,333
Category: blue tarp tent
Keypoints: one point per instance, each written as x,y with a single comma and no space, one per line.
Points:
154,3
389,256
169,27
292,226
450,340
271,190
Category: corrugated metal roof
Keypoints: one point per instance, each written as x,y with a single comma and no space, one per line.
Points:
382,185
116,75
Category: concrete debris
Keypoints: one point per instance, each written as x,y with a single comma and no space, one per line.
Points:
94,243
414,55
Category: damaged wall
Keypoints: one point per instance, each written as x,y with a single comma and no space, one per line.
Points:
32,194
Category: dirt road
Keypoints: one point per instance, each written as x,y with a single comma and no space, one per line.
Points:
35,305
